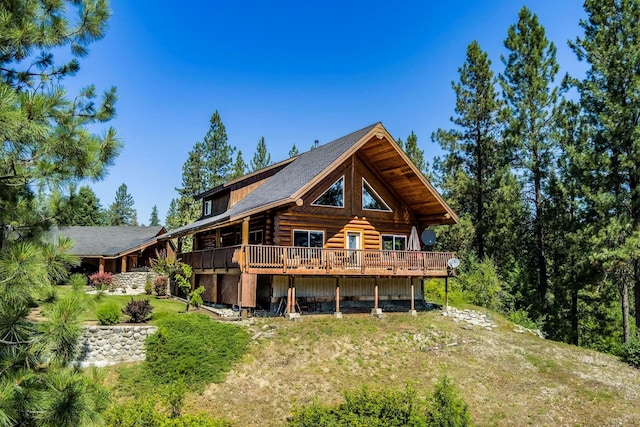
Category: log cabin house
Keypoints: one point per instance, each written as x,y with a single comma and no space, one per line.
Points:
328,227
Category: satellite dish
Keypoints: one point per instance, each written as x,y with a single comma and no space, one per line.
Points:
453,262
428,237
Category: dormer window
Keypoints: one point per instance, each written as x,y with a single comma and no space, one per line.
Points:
333,197
207,208
372,200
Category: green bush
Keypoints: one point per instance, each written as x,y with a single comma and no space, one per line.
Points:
363,408
77,281
387,408
521,317
138,310
194,348
144,414
434,290
148,287
445,408
108,314
481,284
631,351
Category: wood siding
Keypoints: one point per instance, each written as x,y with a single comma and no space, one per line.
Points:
350,287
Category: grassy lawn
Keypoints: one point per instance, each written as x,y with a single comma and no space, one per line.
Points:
161,307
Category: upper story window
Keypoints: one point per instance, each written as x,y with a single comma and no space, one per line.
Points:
372,200
333,197
308,238
207,207
391,242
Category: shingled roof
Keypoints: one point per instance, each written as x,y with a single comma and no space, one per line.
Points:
280,188
308,168
108,241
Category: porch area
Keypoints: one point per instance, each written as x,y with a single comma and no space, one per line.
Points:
302,261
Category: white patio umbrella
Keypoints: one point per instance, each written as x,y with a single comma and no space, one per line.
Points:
414,241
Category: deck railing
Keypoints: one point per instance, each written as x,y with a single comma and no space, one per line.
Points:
300,260
262,259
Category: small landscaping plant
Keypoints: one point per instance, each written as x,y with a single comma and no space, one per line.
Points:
77,281
144,414
160,285
101,281
138,310
108,314
148,287
446,408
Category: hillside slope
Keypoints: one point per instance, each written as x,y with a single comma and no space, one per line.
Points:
507,378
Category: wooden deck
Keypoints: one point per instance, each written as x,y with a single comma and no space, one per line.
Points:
287,260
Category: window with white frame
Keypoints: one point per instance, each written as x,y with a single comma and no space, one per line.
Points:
333,197
308,238
207,207
392,242
371,200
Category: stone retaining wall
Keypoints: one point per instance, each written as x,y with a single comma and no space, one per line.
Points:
109,345
133,282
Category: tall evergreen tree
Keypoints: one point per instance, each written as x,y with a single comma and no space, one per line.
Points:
610,101
530,70
239,167
261,158
415,153
217,154
474,162
294,151
81,208
173,220
46,141
154,220
121,211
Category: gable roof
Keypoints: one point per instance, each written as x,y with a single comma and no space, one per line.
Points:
109,241
309,168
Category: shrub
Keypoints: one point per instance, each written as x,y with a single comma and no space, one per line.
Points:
138,310
77,281
631,351
148,287
101,281
482,284
363,408
194,348
143,414
521,317
160,285
445,407
108,314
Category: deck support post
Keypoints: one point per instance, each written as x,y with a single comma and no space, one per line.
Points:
376,311
337,314
413,311
101,266
291,301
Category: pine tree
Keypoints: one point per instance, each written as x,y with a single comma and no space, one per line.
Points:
173,220
415,154
217,154
46,141
294,151
611,105
121,211
474,162
154,220
239,167
81,208
530,69
261,158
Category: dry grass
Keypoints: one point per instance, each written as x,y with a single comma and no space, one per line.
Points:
506,378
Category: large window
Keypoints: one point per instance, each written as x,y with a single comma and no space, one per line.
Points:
391,242
372,200
333,197
308,238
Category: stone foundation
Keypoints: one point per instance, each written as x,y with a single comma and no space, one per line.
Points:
132,282
109,345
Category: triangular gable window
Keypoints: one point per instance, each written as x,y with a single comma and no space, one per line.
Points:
334,196
371,200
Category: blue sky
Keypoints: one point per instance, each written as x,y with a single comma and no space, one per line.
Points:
292,72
